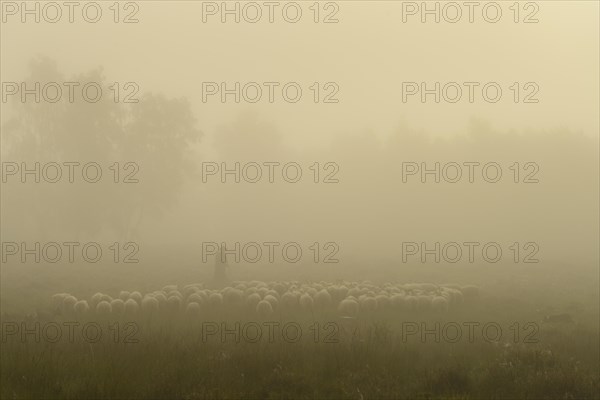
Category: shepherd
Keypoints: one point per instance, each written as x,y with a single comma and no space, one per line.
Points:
221,267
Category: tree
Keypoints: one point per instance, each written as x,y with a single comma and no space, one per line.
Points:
150,140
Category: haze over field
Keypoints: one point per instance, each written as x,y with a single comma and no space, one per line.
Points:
369,172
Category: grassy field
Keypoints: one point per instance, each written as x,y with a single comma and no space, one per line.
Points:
371,357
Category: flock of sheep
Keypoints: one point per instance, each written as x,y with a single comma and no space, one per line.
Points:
350,299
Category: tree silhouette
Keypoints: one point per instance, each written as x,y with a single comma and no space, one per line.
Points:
150,140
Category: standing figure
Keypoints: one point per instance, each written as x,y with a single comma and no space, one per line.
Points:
221,267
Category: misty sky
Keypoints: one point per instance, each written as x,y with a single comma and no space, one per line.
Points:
369,53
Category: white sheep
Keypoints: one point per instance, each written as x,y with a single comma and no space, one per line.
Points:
397,301
264,308
280,288
338,293
196,298
57,301
355,292
428,287
350,298
260,285
81,308
383,301
273,300
322,299
273,293
368,303
174,304
453,296
252,300
161,298
175,293
131,307
233,297
348,307
150,305
439,303
68,305
96,298
410,286
306,302
215,299
188,290
451,286
204,294
169,288
104,309
106,297
290,301
136,296
193,309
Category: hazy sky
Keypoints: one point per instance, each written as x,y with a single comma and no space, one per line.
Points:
368,54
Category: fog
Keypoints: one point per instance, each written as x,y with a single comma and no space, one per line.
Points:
361,172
